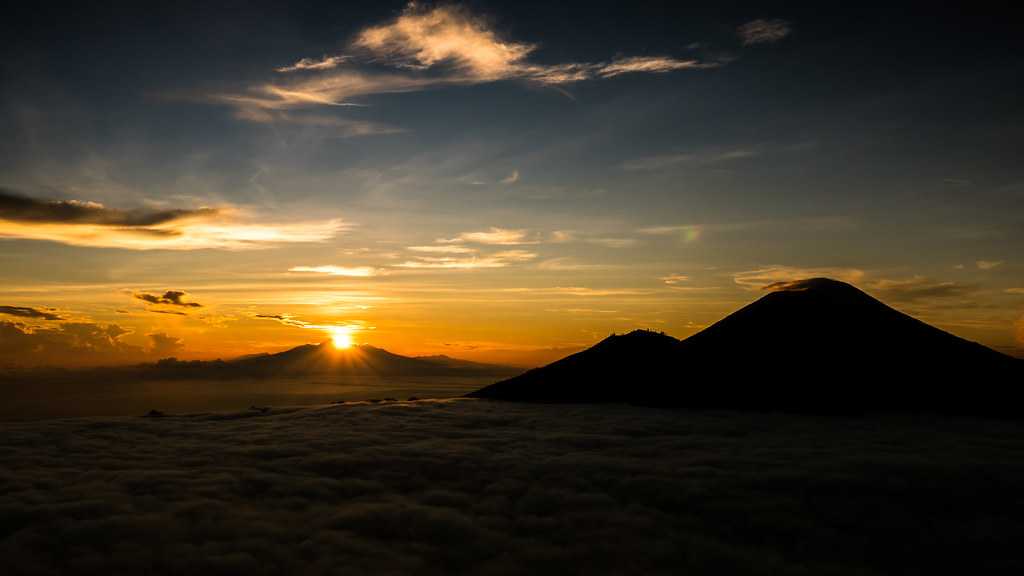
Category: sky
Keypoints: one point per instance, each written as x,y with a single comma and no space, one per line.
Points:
497,181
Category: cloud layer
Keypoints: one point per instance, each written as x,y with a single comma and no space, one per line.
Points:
464,487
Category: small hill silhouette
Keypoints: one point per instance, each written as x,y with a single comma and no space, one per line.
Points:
816,345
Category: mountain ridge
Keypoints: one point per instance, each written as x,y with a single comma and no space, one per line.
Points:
811,345
320,360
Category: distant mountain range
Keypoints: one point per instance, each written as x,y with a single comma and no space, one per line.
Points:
319,360
324,359
812,345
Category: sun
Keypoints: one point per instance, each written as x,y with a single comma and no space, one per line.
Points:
341,337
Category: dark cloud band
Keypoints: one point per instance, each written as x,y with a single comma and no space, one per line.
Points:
26,312
19,208
170,298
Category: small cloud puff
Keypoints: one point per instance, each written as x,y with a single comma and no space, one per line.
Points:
763,31
169,298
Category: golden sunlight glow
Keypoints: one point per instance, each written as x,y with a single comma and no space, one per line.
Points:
341,337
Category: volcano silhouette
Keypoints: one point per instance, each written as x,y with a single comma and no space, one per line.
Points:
815,345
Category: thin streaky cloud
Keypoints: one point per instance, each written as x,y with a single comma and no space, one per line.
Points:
988,264
324,63
614,242
331,270
567,264
763,277
651,65
511,178
662,161
443,249
674,278
580,291
27,312
688,233
919,288
497,236
496,260
337,126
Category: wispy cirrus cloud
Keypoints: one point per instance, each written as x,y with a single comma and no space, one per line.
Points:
988,264
331,270
675,278
686,232
662,161
443,249
425,47
495,235
172,312
305,64
567,264
762,277
347,328
763,31
614,242
919,288
495,260
650,65
86,223
341,127
581,291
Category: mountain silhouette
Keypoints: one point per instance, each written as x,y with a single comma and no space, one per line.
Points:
316,360
815,345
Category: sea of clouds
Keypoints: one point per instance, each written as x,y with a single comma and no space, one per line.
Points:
464,486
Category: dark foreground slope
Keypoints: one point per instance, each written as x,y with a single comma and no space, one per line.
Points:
814,345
